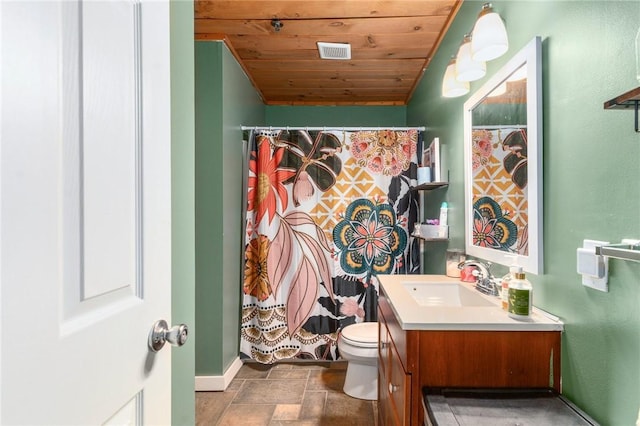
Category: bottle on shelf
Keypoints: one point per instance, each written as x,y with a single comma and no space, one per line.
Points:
443,229
444,208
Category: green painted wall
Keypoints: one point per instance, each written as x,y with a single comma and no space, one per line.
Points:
242,106
182,210
591,182
208,75
225,100
318,116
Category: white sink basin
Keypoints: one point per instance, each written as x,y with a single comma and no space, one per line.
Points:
444,294
437,302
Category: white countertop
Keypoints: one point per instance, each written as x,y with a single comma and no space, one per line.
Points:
412,316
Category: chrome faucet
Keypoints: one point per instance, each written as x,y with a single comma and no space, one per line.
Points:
485,282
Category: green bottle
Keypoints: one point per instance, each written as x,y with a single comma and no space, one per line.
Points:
520,296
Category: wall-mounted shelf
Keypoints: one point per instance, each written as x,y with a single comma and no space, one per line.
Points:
629,100
430,185
430,239
431,232
625,250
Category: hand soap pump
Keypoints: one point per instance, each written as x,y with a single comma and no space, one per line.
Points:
520,296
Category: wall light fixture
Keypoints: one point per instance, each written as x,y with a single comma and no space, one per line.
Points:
489,40
467,69
451,87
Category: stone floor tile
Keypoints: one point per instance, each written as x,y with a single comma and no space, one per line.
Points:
282,366
341,409
234,385
211,405
289,374
309,365
275,394
313,405
328,379
267,391
247,415
253,370
287,412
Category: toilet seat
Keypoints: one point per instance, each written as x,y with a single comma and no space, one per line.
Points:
364,334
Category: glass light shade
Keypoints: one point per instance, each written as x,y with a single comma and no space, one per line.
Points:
451,87
466,68
489,38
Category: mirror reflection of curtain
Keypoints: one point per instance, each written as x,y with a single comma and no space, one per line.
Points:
327,211
499,191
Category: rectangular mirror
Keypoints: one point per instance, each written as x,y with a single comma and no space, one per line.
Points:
503,164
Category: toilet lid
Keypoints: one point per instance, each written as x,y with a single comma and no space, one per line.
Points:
362,334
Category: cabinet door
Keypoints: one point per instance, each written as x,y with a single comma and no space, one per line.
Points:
399,388
385,410
383,338
388,414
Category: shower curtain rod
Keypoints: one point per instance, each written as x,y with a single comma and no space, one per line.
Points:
325,128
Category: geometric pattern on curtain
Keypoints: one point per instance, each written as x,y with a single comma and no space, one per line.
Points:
328,211
499,190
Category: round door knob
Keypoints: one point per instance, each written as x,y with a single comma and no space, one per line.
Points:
177,335
161,333
392,388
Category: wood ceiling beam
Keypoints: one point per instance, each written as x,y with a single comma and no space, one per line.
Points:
311,9
318,27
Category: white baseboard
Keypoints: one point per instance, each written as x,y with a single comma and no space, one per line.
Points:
218,383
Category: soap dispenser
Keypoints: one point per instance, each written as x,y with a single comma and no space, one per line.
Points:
504,282
504,287
520,296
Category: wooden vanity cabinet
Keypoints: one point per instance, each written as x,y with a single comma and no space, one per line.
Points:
397,363
411,359
394,382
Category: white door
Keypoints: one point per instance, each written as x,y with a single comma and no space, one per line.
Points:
85,212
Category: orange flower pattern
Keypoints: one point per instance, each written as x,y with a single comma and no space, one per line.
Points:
256,282
265,181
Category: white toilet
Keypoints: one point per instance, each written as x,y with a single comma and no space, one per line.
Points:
358,344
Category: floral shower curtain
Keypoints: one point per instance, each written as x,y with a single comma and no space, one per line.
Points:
327,212
499,189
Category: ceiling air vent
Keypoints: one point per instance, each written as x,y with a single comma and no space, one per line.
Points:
334,50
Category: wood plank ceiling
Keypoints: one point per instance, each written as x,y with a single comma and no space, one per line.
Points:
392,43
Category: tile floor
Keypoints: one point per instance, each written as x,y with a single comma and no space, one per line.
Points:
286,394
